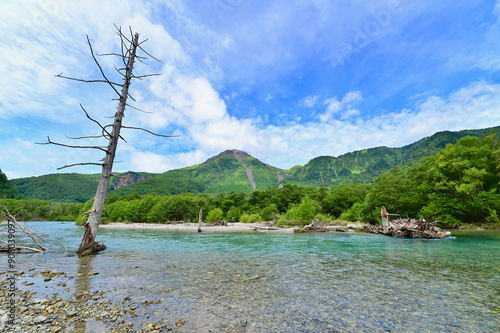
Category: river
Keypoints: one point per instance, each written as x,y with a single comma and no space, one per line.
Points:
324,282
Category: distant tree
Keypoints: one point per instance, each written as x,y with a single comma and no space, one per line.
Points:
7,190
111,132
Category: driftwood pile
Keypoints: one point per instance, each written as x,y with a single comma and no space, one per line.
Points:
410,228
407,228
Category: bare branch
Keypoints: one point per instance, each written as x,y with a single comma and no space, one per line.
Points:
108,54
143,129
141,61
70,146
118,135
100,68
147,75
72,165
85,137
120,33
87,81
119,72
118,176
131,32
135,108
139,45
13,219
122,44
44,237
95,121
148,54
25,247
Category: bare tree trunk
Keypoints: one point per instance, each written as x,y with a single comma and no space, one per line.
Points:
385,220
88,240
199,219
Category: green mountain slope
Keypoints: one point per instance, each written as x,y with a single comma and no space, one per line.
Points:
69,187
168,183
365,165
234,170
7,189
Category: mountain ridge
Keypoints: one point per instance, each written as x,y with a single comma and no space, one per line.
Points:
237,171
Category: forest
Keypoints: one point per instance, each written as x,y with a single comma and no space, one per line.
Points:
459,186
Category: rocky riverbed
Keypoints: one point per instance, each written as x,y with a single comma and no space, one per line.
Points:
51,306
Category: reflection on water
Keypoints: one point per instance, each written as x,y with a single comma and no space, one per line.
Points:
292,283
82,285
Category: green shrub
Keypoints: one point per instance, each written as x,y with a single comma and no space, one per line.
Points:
324,218
354,213
254,218
215,215
493,218
233,214
300,214
269,213
245,218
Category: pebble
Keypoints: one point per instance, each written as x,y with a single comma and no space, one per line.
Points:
62,313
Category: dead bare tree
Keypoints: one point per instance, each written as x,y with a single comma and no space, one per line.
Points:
130,46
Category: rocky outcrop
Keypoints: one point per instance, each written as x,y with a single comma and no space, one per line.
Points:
240,157
128,178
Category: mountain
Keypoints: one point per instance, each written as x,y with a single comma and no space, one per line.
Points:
234,170
365,165
7,190
231,170
70,187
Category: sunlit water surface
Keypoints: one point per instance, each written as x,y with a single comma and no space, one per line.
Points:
325,282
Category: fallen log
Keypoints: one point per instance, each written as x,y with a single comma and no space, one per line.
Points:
14,232
255,228
219,223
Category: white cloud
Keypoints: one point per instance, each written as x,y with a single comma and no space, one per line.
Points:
344,106
471,107
147,161
192,157
23,158
309,101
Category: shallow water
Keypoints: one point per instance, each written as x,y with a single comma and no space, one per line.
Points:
257,282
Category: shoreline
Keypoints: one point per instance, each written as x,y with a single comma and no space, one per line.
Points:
234,227
193,227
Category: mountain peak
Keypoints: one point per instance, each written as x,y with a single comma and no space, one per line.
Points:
234,152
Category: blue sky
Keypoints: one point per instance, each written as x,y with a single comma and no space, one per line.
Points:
285,81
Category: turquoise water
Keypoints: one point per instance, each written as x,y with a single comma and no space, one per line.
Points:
327,282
